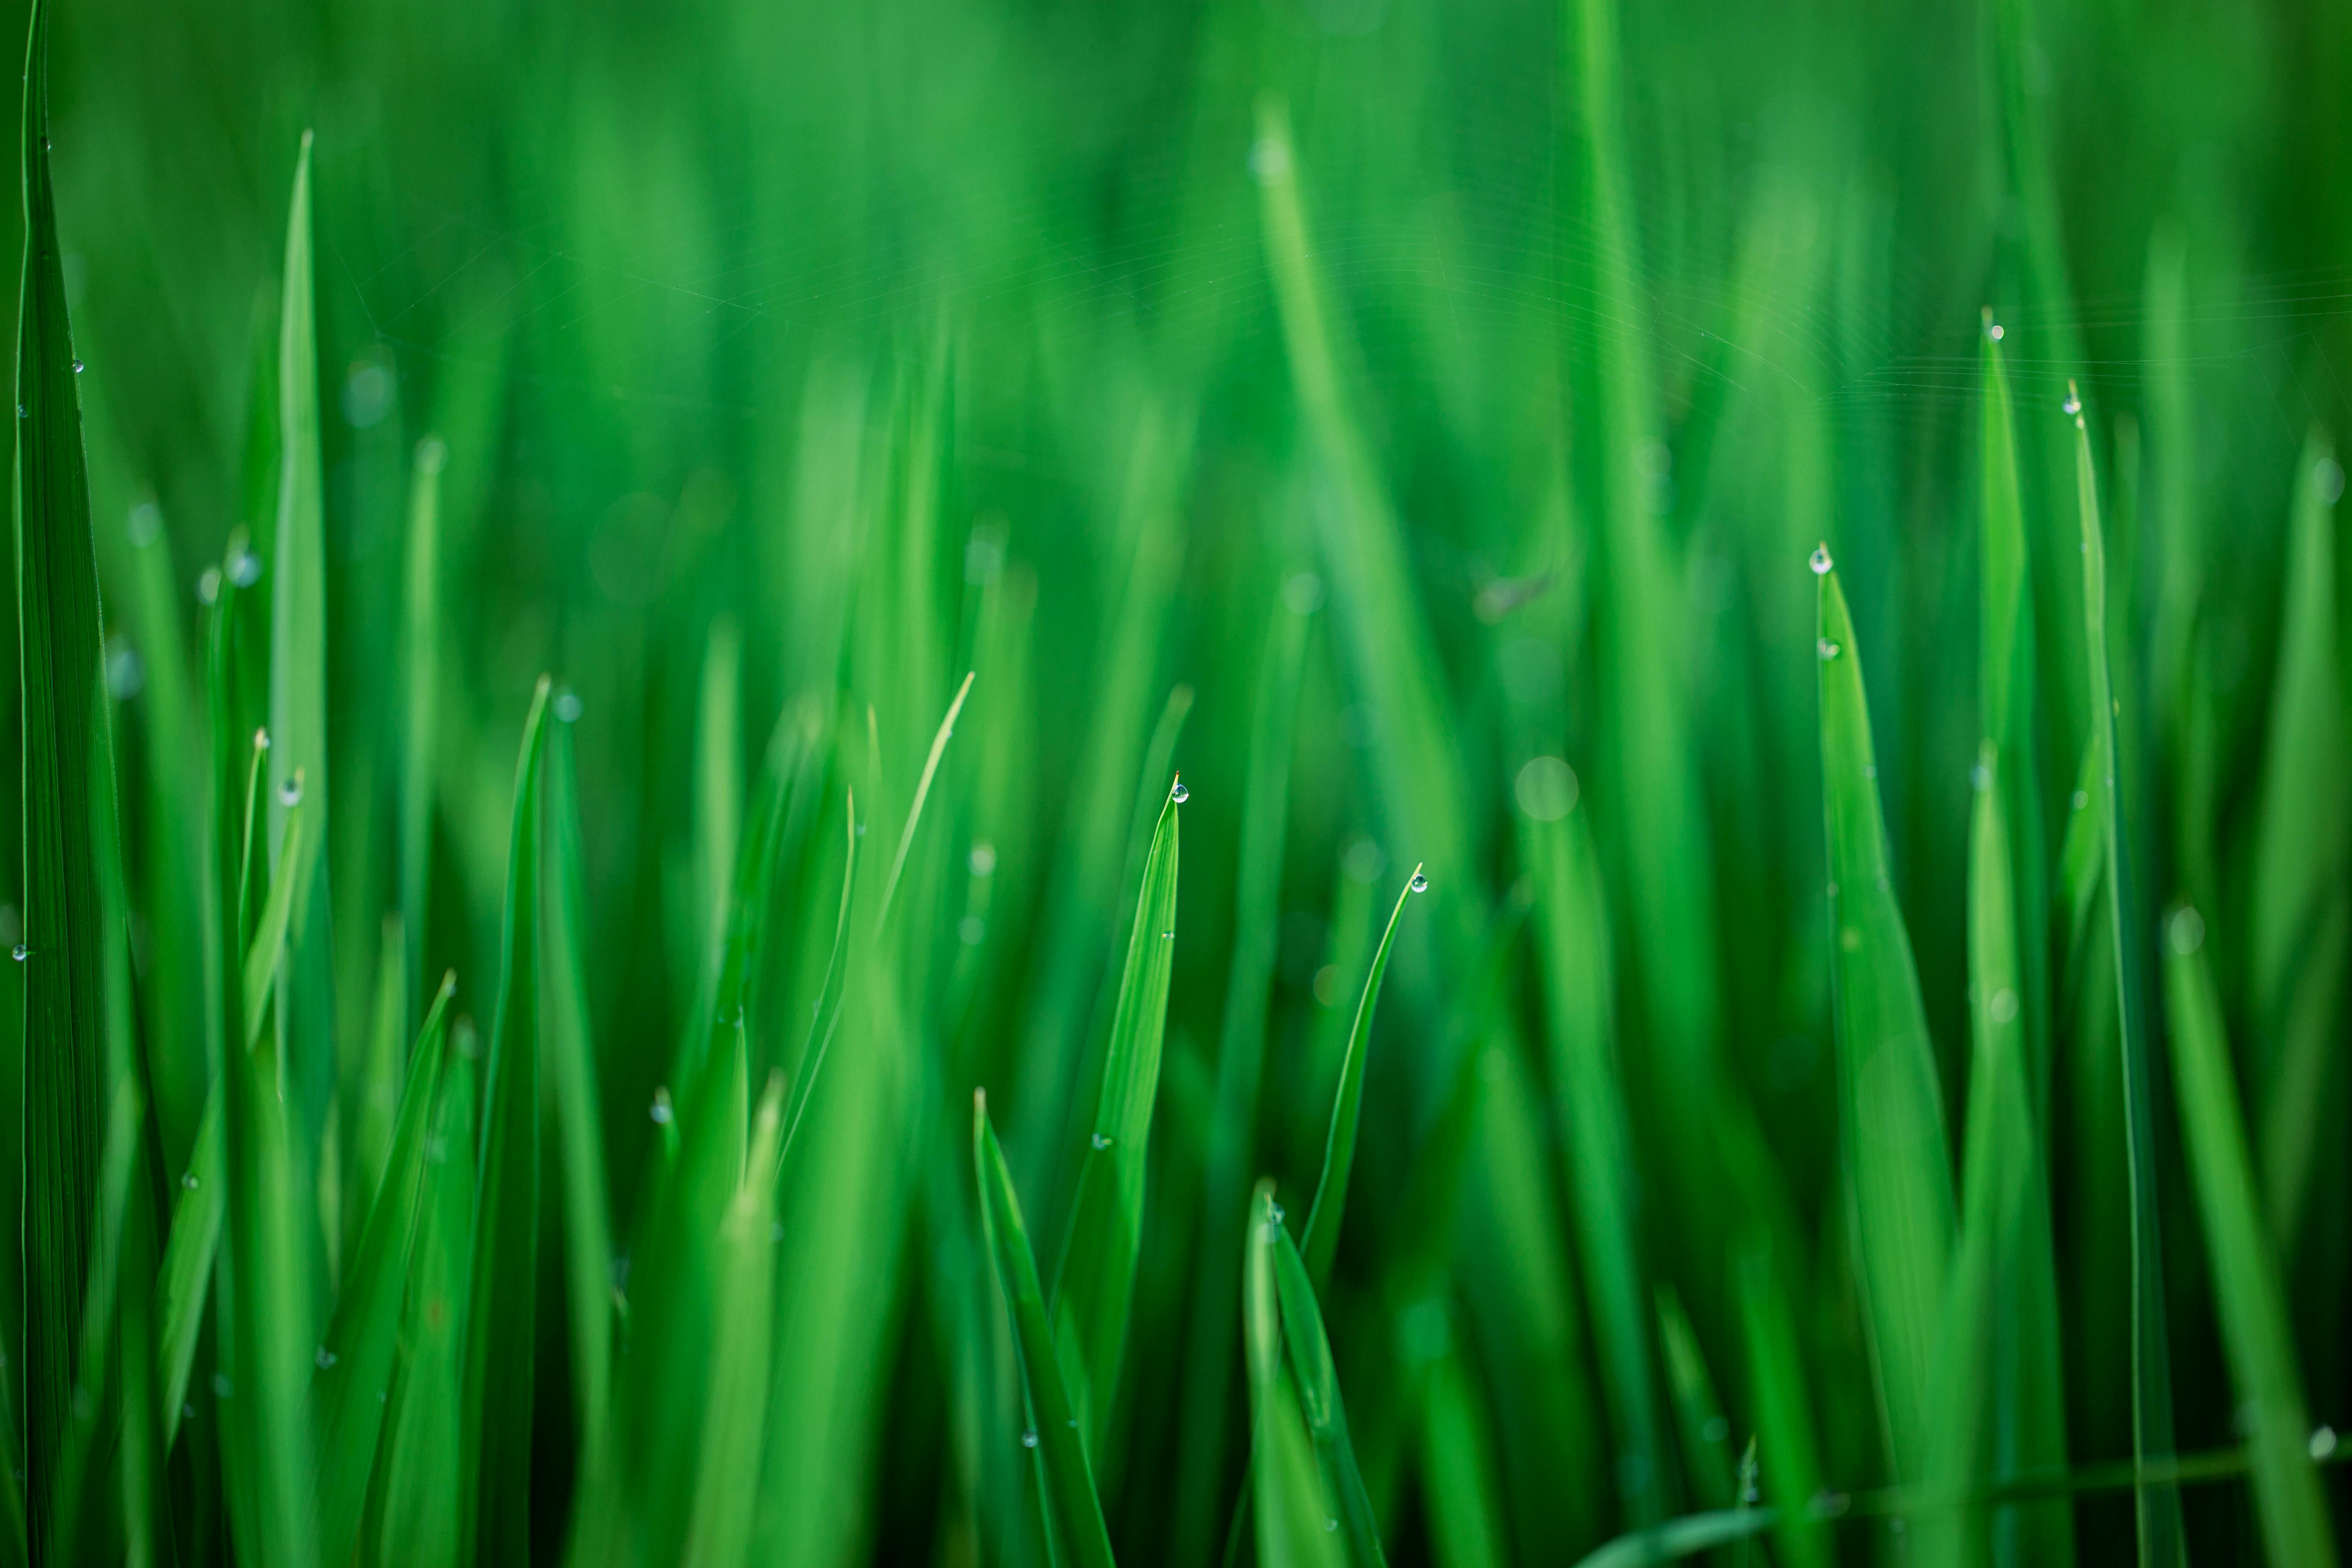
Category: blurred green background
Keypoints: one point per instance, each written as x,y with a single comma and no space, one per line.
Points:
799,354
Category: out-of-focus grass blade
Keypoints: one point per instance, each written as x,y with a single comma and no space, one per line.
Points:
1095,1283
2297,949
826,1014
1680,1538
80,1532
1572,926
1898,1164
2157,1505
351,1391
412,1514
572,1060
371,1103
501,1312
1294,1528
1318,1399
922,793
184,1285
420,679
2256,1331
1698,1412
1458,1469
2082,863
1074,1516
720,1525
64,728
1331,1205
718,797
1783,1408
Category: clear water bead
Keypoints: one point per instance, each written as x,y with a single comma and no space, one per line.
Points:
290,792
208,584
1028,1439
2073,403
1820,559
1179,793
1828,649
661,1111
244,569
1274,1210
261,740
1100,1139
77,367
1996,334
325,1358
1420,884
2323,1442
23,953
568,708
189,1181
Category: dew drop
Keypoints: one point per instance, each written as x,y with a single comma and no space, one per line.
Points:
568,708
23,953
1998,332
661,1111
208,584
1330,1525
189,1181
1179,793
2003,1007
2081,799
244,569
1275,1211
77,367
2073,403
261,740
1980,777
325,1358
2323,1442
290,792
983,859
22,412
1420,883
1100,1139
1820,559
2186,930
1828,649
1028,1439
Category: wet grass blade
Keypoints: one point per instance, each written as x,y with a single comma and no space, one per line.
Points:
351,1391
1458,1470
59,638
1699,1420
1897,1160
184,1285
1074,1517
2156,1507
501,1312
1331,1205
1785,1427
1318,1381
2256,1331
1289,1504
1094,1285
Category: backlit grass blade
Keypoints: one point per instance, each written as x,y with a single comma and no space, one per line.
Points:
351,1388
420,694
2256,1329
826,1014
718,797
184,1284
501,1313
1785,1427
1074,1517
1699,1420
1317,1382
1572,929
2158,1506
2298,946
1293,1524
63,730
1458,1468
1094,1285
922,793
1898,1172
1331,1205
572,1062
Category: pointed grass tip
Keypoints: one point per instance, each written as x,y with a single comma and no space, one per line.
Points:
1178,791
1992,328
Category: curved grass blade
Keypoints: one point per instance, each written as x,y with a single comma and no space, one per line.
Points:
1318,1400
351,1391
1095,1283
1287,1502
184,1285
1074,1518
420,678
2255,1328
1898,1172
829,994
64,733
1699,1420
922,793
2156,1507
501,1312
1331,1205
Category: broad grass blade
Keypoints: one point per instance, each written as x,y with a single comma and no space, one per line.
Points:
420,699
1074,1517
1785,1428
184,1285
1293,1520
1457,1471
2256,1331
1897,1160
1699,1420
1318,1382
502,1327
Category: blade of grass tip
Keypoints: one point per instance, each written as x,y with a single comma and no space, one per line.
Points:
1898,1172
1074,1518
2156,1507
351,1391
1572,924
414,1501
726,990
420,678
2255,1328
1323,1218
721,1524
826,1014
60,636
1699,1420
1293,1525
572,1059
1458,1470
501,1312
1318,1381
1791,1468
2297,954
922,793
1094,1284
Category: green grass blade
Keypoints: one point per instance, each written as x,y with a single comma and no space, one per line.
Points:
571,1061
1094,1285
2256,1331
82,1528
2297,947
2156,1507
1073,1515
718,797
827,1012
184,1285
59,637
1898,1171
1331,1205
1785,1429
1458,1470
922,793
501,1313
1572,929
420,695
1288,1504
1699,1420
351,1390
1317,1382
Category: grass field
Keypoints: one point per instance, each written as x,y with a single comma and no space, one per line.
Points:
1003,781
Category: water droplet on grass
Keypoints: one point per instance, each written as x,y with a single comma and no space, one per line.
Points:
661,1111
290,792
189,1181
1028,1439
1179,793
261,740
1420,884
325,1358
23,953
1820,559
2323,1442
244,569
568,708
77,367
1828,649
1100,1140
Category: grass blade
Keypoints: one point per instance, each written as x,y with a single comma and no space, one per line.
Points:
1293,1524
1699,1420
1783,1408
1318,1399
2156,1507
1074,1518
184,1285
1898,1172
2255,1328
501,1312
420,675
1458,1470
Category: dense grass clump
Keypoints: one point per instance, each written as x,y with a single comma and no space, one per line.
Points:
1305,781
